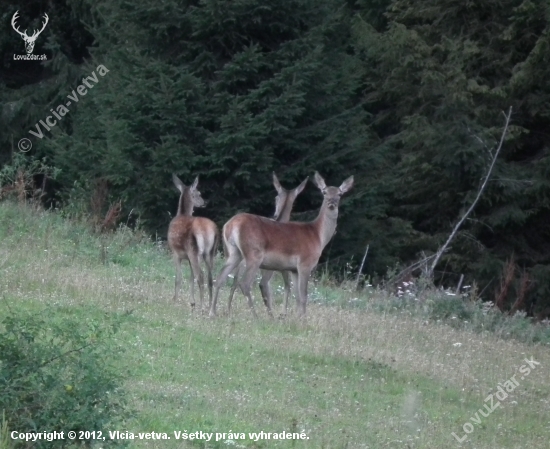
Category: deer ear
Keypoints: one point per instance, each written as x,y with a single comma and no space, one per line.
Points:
195,184
320,181
177,182
346,185
276,183
301,187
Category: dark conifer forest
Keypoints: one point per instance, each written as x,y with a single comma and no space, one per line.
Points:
407,96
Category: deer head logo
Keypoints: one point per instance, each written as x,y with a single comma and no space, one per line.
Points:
29,40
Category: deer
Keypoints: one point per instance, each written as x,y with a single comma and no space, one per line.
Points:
192,238
283,207
29,40
272,245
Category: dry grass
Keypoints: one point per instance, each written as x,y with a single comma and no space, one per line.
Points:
506,279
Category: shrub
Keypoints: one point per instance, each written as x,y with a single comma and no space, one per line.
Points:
16,179
466,311
444,308
58,374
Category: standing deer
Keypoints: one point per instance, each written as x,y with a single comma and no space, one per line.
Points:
271,245
192,238
283,206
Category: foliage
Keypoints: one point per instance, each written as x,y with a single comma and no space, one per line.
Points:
29,166
57,374
19,176
437,76
240,99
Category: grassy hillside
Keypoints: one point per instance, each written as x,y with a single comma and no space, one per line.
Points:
368,376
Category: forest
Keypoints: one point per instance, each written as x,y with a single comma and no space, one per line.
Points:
407,96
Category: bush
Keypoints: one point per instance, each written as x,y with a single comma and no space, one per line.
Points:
17,178
464,312
444,308
57,374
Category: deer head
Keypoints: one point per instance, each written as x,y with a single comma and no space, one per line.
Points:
190,196
285,198
332,195
29,40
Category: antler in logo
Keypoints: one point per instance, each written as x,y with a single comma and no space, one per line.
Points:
29,40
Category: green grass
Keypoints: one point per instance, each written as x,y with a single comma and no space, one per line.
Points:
350,376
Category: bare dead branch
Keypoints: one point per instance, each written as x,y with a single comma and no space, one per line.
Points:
442,249
361,268
457,291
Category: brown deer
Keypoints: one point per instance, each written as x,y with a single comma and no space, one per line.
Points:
271,245
192,238
283,207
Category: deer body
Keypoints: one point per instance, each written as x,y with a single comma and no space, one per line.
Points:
192,238
271,245
283,207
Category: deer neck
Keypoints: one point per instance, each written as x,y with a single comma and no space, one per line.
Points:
325,224
284,216
185,206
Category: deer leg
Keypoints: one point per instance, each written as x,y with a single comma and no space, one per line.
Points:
303,278
192,283
236,275
265,289
177,263
232,262
209,262
198,275
286,279
294,277
252,266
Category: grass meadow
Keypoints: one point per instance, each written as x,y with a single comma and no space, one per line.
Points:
359,372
